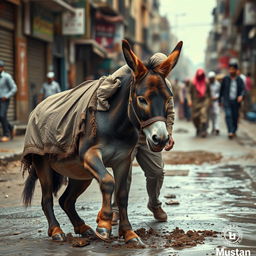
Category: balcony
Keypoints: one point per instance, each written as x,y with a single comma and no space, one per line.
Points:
56,5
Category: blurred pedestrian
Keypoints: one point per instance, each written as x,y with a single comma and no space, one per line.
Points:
186,107
215,108
7,89
182,96
176,96
199,99
231,95
239,72
247,95
50,87
248,82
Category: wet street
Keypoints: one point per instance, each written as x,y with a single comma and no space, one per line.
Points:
212,183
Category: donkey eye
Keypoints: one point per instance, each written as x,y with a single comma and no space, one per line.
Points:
142,100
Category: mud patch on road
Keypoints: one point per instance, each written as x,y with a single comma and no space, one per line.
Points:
192,157
177,238
180,238
77,241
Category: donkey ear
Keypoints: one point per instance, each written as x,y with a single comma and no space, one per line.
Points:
166,66
133,61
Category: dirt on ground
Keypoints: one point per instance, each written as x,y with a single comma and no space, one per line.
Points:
177,238
77,241
192,157
10,167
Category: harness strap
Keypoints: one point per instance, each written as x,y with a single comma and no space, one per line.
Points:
134,117
152,120
141,124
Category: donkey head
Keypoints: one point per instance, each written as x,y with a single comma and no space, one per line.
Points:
150,95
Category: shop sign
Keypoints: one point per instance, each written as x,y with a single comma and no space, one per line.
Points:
104,35
250,14
42,25
74,24
223,61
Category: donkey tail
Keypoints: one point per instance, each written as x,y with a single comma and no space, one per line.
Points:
29,187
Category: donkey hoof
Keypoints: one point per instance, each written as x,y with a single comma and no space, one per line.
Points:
103,233
59,237
136,241
89,233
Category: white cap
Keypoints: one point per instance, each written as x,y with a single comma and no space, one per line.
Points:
211,74
50,75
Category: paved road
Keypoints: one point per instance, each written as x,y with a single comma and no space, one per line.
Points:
213,195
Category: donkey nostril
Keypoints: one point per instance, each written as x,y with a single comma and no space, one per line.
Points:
155,139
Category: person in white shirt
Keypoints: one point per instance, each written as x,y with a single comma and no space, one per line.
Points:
50,87
215,108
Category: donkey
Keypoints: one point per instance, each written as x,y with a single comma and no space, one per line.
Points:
139,104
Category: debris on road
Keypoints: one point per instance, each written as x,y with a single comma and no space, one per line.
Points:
178,237
77,241
170,196
172,202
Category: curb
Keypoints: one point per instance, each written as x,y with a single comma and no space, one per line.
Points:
11,157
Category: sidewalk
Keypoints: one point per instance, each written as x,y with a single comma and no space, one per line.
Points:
13,149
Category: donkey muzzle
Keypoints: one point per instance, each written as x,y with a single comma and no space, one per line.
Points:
156,135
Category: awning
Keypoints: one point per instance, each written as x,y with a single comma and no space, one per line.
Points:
108,18
56,5
96,48
106,12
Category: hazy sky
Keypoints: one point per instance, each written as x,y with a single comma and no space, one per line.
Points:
191,21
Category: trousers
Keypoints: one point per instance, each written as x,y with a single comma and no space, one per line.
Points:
4,104
232,114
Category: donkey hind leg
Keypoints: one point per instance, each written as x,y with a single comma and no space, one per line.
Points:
45,175
67,202
93,163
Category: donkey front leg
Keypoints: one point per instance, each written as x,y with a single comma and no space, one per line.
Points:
121,172
93,162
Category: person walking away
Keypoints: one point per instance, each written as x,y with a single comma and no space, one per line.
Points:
199,99
247,94
176,96
182,93
7,89
215,108
187,114
50,87
231,96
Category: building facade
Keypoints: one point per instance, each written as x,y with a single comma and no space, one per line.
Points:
76,39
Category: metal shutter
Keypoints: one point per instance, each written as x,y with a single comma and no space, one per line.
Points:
7,55
36,69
